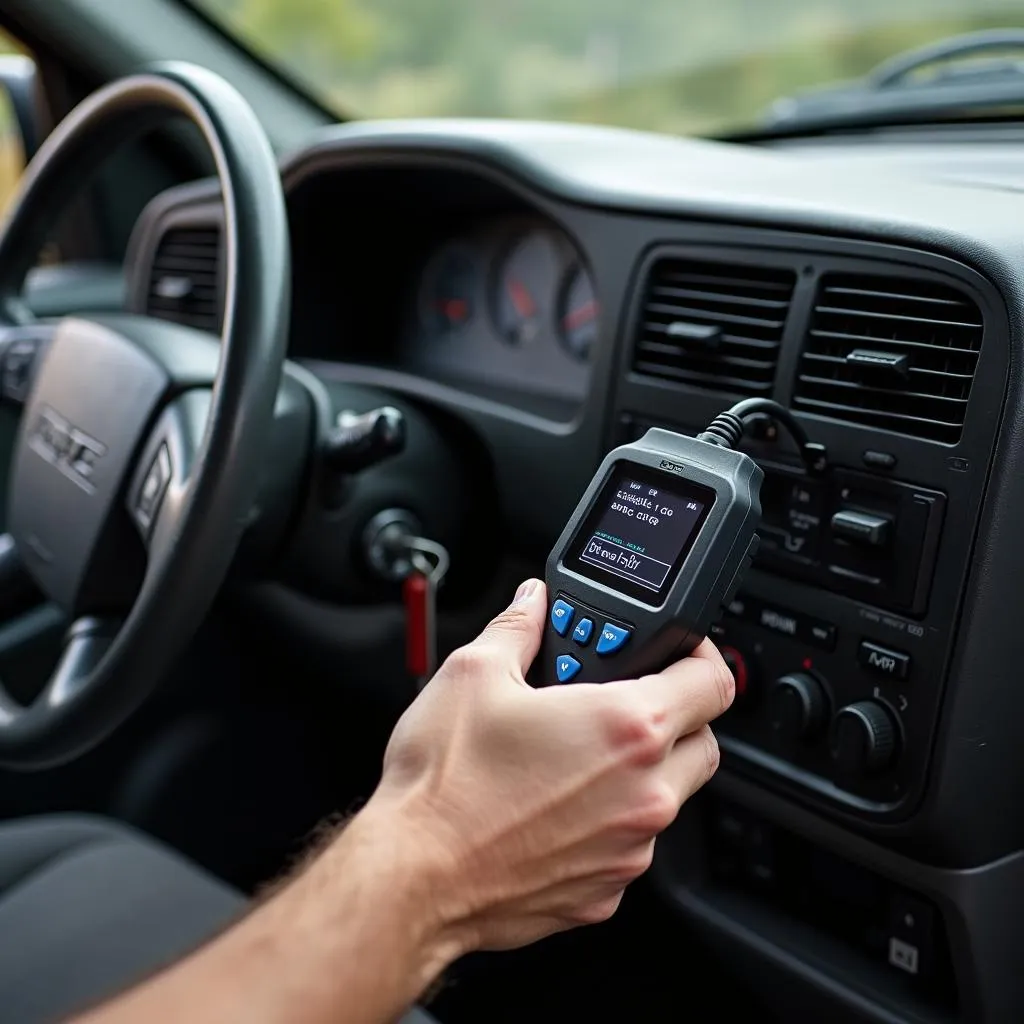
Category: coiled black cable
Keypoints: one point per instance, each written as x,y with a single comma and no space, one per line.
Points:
726,429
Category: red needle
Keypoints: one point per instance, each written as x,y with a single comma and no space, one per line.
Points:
454,309
521,298
578,317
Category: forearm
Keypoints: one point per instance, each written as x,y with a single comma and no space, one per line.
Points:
355,939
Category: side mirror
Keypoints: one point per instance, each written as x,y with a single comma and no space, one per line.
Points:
19,80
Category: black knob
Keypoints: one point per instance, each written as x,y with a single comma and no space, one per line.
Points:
362,440
863,739
798,707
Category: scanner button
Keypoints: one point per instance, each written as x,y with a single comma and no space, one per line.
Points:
561,616
611,638
566,668
581,634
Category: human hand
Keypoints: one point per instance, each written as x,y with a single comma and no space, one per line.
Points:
537,807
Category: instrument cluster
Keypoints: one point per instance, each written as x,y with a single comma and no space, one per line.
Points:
514,291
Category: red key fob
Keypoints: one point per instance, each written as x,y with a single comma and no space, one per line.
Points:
418,594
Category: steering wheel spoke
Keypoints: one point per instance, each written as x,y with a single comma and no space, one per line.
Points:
85,644
17,591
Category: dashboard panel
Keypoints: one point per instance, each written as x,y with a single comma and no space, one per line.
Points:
448,276
442,261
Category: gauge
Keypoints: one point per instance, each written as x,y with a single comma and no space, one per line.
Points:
577,314
524,287
449,289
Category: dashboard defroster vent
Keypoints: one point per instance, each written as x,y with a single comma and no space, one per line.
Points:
713,325
184,279
894,353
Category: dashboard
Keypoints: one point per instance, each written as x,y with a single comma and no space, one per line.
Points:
545,292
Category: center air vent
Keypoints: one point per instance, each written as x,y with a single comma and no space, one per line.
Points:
894,353
714,325
184,282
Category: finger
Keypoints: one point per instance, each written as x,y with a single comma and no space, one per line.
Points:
707,649
691,763
686,695
708,662
517,631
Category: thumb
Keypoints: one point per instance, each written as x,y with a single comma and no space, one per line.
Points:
517,631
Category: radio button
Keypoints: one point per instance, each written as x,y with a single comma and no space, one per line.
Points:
803,628
820,634
879,460
611,638
883,661
561,616
581,634
862,527
566,668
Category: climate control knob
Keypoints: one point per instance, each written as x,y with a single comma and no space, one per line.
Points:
742,672
798,707
863,739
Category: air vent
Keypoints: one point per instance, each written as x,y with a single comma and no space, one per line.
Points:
184,281
714,325
893,353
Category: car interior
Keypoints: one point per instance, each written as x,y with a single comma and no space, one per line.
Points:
259,358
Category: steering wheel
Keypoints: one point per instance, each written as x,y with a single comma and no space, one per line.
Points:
138,454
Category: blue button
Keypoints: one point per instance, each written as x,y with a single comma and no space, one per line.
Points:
561,615
566,667
611,638
581,634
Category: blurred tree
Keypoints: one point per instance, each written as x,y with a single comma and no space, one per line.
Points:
666,65
312,35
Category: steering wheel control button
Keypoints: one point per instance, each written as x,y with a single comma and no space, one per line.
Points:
153,487
581,634
611,638
18,361
883,661
566,668
561,616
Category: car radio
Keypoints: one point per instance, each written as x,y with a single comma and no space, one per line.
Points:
830,639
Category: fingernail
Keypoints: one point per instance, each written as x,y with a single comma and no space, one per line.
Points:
526,588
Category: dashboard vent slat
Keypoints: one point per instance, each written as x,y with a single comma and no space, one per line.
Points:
932,330
184,278
711,325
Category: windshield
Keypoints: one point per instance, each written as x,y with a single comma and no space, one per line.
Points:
682,66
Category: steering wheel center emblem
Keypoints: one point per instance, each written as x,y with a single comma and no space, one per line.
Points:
71,450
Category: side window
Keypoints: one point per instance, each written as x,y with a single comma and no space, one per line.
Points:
19,114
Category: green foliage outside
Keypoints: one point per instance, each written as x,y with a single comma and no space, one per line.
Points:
688,66
12,156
